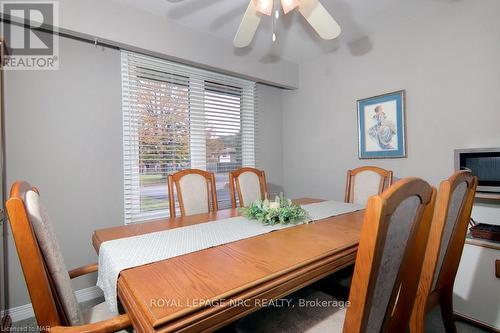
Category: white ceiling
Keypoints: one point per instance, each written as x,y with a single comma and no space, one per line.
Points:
296,39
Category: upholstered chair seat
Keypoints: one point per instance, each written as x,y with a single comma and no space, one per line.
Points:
99,313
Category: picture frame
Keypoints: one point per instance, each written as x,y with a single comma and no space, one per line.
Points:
382,126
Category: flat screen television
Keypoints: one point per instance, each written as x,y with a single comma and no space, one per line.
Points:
483,163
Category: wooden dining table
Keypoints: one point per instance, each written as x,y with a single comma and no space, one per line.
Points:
205,290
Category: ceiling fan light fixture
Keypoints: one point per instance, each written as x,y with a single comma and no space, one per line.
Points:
312,11
289,5
264,6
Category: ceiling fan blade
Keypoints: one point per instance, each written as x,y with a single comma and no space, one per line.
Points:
248,26
289,5
319,18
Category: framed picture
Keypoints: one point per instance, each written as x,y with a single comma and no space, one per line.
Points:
381,126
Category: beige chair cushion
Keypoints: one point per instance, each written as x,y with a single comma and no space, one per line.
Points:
194,192
250,188
366,184
98,313
52,254
313,318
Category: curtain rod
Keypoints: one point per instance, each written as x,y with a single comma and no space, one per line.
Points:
63,33
86,38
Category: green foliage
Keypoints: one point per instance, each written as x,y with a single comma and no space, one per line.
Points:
279,211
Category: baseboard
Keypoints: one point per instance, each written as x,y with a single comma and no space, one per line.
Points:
476,322
26,311
88,294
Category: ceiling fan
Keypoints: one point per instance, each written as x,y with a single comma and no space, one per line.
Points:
312,10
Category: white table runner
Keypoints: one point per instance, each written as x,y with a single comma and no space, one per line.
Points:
120,254
322,210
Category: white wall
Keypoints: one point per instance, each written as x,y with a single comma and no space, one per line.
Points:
131,28
64,135
109,20
270,136
447,59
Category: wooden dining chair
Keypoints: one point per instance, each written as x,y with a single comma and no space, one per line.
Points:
446,241
53,299
196,192
388,264
249,184
364,182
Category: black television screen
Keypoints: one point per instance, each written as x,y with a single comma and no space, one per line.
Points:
486,166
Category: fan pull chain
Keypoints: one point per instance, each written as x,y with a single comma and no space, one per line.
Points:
276,15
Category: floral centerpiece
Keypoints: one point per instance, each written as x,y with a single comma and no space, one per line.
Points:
279,211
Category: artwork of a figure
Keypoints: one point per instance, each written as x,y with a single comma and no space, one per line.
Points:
383,130
381,126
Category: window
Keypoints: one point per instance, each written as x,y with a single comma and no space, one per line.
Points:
177,117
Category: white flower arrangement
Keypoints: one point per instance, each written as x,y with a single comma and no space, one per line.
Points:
280,211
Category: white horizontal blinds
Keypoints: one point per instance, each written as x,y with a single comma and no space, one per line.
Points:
223,133
178,117
249,126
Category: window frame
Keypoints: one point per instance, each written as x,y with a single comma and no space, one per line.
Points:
197,82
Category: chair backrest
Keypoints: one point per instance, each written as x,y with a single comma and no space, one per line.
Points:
363,182
250,184
46,276
447,236
389,258
196,192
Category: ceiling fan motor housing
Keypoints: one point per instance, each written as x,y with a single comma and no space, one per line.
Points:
312,10
266,6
